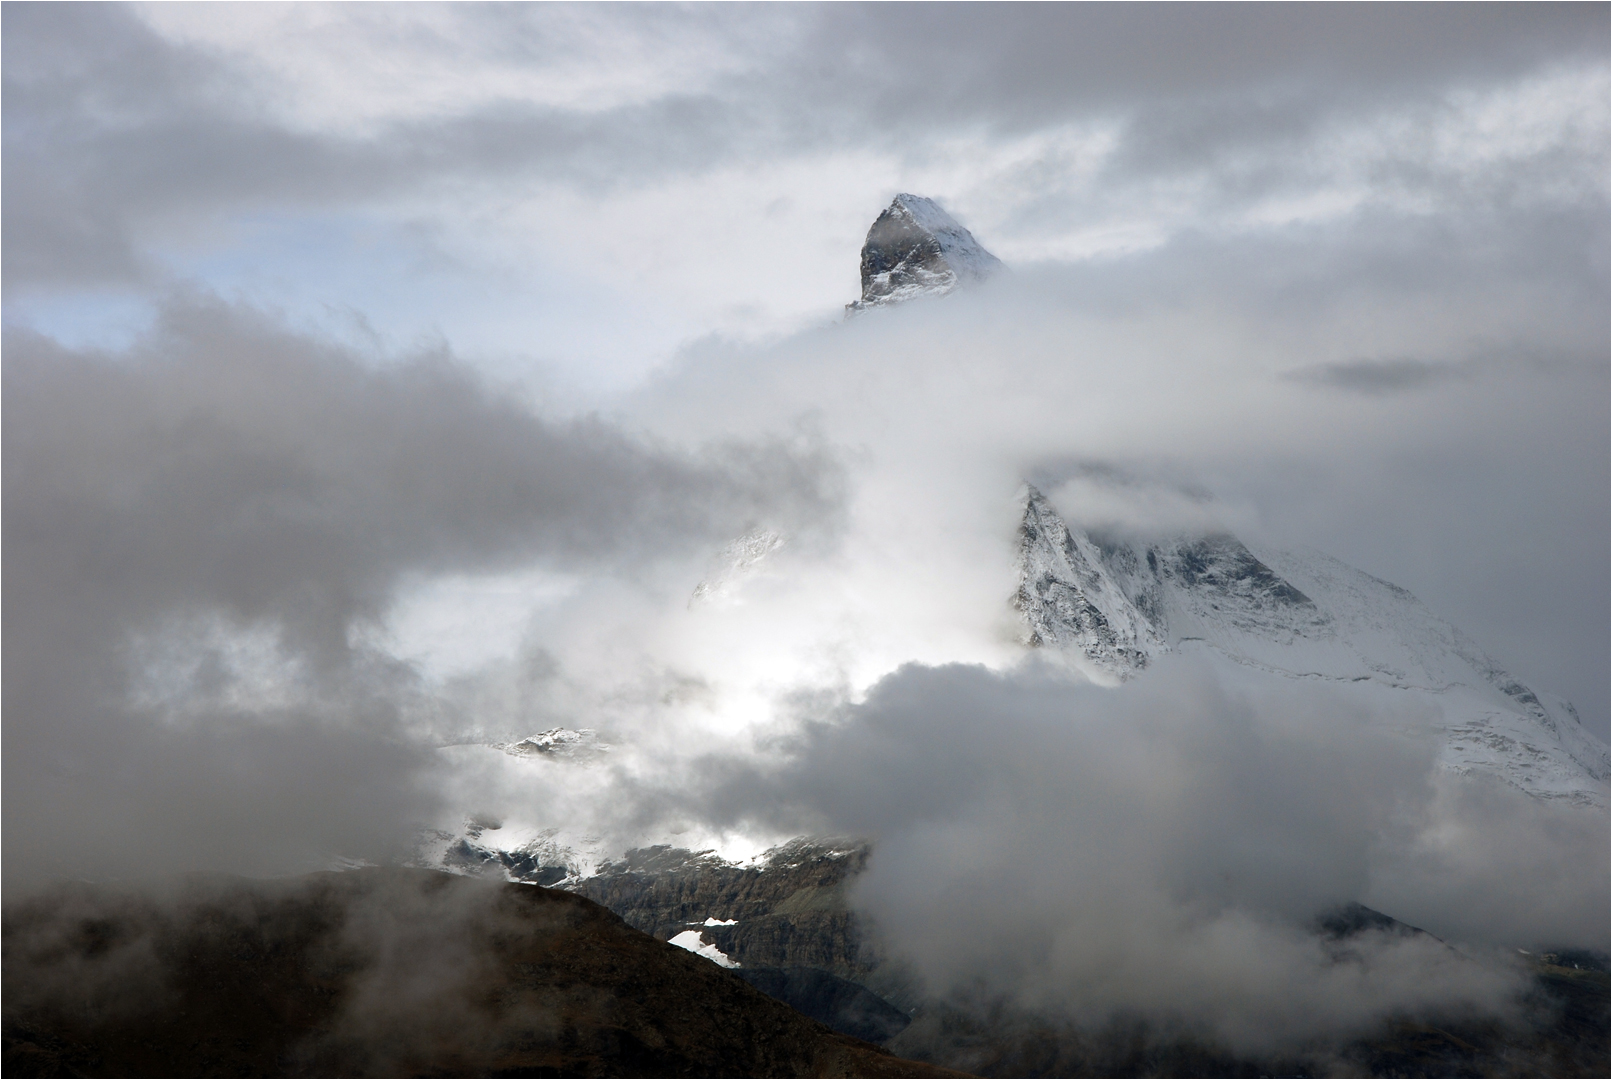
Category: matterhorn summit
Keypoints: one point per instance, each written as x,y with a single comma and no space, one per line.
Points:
916,249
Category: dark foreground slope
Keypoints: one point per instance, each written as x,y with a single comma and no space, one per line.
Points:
384,972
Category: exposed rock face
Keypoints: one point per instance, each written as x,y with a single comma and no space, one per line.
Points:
1564,1033
788,911
385,973
916,249
1112,600
1354,919
1071,599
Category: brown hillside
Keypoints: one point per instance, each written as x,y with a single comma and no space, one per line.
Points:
384,972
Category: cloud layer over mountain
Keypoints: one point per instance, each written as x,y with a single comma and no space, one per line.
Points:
1162,849
382,378
201,529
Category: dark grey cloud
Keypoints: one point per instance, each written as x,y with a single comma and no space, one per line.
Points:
1028,61
1160,848
228,477
114,133
1367,376
229,485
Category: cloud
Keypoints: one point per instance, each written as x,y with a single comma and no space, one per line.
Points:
198,533
1161,849
134,133
1343,269
1176,364
1376,376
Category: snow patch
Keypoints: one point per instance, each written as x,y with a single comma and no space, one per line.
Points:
694,942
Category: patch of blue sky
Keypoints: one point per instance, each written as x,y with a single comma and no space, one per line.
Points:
390,288
108,319
376,285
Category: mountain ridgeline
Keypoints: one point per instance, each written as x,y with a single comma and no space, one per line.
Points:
786,922
1113,604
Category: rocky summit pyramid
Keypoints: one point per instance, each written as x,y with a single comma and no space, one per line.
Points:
916,249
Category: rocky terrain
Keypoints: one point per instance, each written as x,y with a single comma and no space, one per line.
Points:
786,910
798,891
384,973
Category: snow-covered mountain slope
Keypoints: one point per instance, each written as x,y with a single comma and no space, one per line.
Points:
1113,604
558,742
735,562
915,248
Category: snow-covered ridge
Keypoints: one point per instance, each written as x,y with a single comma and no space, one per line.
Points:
558,742
735,562
913,249
1112,604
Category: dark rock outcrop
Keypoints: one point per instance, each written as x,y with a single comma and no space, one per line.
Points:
792,906
789,911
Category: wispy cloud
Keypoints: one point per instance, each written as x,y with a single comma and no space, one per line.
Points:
1377,377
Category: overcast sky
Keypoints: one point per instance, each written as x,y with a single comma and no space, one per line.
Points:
568,198
379,377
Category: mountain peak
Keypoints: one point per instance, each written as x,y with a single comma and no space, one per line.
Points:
914,248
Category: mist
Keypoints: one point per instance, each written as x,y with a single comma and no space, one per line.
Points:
358,422
204,534
1164,849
